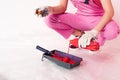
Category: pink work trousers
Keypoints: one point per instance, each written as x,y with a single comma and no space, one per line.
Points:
65,23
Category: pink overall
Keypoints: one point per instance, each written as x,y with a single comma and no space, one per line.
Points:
85,19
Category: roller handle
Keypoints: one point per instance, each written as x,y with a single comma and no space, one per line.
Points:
43,49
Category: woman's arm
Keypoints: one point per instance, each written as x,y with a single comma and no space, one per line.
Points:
107,16
59,8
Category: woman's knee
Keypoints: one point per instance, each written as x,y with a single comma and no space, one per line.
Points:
111,30
51,18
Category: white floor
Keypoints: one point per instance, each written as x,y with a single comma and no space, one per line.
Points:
21,31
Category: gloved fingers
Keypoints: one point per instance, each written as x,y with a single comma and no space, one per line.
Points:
79,42
82,41
38,11
42,11
88,40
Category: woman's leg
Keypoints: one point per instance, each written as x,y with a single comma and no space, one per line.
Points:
110,31
65,24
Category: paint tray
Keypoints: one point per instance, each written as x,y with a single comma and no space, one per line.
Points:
61,58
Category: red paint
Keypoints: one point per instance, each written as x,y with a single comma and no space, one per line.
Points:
63,59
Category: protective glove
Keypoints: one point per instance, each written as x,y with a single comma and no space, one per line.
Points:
86,38
42,11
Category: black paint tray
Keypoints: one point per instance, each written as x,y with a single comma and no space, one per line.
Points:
61,58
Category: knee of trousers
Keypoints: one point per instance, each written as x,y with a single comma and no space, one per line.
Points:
111,30
51,20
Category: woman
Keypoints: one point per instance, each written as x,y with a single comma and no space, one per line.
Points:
93,17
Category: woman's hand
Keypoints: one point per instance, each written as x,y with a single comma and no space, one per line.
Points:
86,38
60,8
42,11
